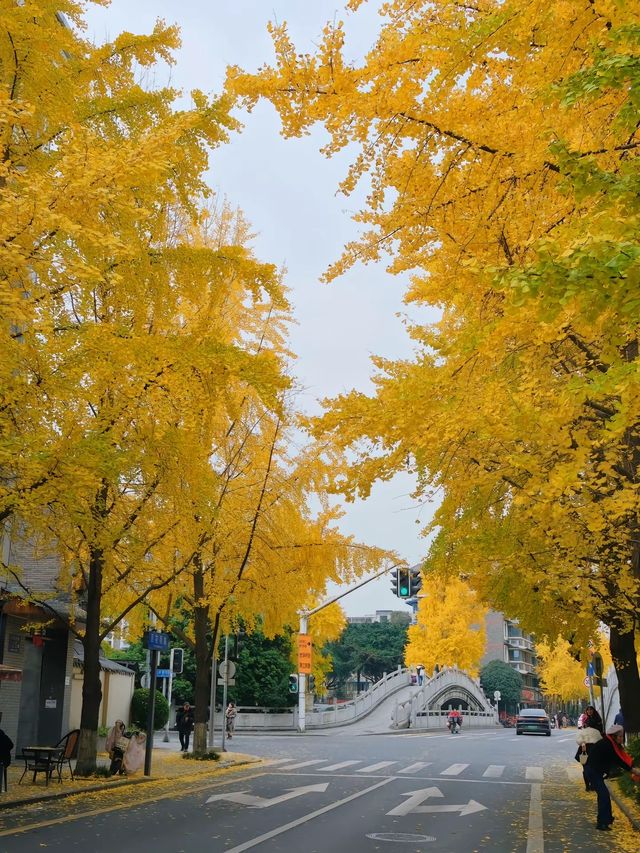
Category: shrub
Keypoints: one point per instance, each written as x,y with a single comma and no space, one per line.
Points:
211,755
139,705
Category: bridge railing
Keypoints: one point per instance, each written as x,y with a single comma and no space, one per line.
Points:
363,704
414,712
340,714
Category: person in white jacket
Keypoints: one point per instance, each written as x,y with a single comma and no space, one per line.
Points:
586,738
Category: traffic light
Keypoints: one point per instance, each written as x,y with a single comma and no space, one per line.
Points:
312,683
293,683
404,583
394,581
177,660
415,580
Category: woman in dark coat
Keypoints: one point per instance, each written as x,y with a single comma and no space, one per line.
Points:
593,719
603,756
185,722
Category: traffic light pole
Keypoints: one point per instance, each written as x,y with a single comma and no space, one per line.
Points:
304,628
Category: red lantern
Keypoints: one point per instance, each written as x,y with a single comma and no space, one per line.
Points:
38,640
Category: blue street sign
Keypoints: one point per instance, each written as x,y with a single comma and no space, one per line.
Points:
590,669
156,641
163,673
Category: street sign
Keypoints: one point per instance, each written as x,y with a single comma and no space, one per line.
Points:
156,641
497,695
587,681
257,802
414,804
230,682
227,669
304,654
163,673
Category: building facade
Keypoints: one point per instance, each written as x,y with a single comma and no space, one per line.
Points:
507,642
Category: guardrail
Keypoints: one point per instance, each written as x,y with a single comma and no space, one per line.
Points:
340,714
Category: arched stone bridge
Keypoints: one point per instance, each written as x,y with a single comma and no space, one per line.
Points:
429,705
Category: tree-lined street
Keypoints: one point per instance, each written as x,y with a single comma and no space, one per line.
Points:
476,791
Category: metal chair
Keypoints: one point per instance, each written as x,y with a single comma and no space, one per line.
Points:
69,746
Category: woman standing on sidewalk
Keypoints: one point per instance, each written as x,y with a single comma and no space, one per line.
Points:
604,755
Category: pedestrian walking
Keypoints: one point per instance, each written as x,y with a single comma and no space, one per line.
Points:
592,719
230,719
605,755
587,736
185,721
420,672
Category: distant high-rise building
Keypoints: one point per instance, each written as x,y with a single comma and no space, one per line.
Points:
507,642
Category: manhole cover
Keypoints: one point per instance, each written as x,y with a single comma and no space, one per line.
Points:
400,837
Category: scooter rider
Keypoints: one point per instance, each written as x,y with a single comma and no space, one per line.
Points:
454,721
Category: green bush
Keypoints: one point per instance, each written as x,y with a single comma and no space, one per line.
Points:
139,705
211,755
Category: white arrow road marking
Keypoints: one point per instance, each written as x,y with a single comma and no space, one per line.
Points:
256,802
416,798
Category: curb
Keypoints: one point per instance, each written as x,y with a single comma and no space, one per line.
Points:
624,808
109,786
61,795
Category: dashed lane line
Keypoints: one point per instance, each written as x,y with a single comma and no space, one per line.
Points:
413,768
534,774
454,770
494,771
372,768
339,766
304,764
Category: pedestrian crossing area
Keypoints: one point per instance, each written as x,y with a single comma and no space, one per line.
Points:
430,769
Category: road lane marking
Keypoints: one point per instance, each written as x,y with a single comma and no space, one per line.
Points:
494,771
454,770
534,774
257,802
417,766
274,761
247,845
154,798
340,765
373,767
304,764
535,832
414,804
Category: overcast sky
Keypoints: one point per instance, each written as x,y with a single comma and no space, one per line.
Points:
287,190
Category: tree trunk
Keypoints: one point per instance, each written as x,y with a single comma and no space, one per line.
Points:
91,687
623,651
203,662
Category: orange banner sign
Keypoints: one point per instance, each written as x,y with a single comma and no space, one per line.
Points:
304,654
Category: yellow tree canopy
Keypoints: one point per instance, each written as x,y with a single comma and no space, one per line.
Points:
559,672
450,627
500,145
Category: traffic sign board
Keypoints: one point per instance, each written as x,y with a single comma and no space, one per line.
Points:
304,654
163,673
227,669
497,694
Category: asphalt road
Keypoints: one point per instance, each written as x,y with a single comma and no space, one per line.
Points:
482,790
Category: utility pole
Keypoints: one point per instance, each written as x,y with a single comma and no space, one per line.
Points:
303,630
225,680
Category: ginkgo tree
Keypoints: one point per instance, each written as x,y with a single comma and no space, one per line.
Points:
500,144
449,629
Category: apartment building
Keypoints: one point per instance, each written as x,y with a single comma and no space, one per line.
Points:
506,641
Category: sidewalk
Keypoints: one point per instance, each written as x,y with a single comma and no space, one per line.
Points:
167,763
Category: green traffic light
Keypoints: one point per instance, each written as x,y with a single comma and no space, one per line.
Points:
404,590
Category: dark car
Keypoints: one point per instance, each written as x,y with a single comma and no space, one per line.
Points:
532,721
